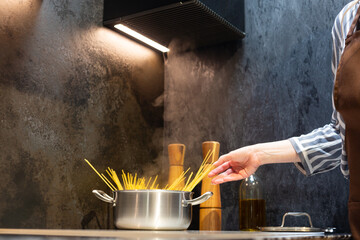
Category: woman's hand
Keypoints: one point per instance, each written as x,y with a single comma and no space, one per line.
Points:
243,162
235,165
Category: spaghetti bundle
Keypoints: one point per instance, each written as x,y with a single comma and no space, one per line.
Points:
203,171
131,183
134,182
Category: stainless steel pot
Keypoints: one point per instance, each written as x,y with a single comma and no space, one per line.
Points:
152,209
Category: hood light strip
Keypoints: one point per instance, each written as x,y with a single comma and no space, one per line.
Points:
142,38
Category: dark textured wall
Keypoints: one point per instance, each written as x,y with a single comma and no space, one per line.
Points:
71,89
274,84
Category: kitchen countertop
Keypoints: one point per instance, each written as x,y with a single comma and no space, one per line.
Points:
55,234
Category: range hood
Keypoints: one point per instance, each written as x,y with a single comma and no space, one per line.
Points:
166,20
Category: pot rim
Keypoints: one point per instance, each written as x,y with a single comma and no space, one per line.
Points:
152,190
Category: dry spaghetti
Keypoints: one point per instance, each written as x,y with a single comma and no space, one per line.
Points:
134,182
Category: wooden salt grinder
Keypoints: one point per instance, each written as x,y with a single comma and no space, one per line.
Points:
176,152
210,210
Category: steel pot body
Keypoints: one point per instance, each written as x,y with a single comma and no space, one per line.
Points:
152,209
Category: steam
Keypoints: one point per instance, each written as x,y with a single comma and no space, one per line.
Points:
159,101
197,105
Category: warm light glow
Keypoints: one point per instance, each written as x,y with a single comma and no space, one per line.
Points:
120,45
140,37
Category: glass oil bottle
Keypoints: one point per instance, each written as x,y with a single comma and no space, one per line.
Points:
251,204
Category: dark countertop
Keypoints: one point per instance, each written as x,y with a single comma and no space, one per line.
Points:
55,234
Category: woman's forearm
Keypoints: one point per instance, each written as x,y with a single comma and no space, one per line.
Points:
275,152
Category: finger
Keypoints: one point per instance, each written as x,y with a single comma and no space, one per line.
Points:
217,181
233,177
221,160
229,176
219,169
237,176
220,178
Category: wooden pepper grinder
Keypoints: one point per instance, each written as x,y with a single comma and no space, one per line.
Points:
176,152
210,210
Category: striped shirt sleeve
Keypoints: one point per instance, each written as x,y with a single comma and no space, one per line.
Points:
319,151
322,149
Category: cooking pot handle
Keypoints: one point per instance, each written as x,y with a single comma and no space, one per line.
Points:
103,196
198,200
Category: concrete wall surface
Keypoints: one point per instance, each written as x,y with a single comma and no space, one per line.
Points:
274,84
71,89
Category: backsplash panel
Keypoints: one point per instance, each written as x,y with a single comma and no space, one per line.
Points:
71,89
275,84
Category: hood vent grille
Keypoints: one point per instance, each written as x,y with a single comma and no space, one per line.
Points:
191,20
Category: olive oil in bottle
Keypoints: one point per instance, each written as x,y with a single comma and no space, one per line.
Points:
251,204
